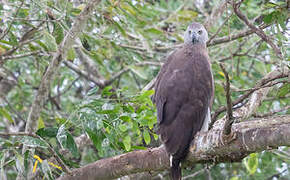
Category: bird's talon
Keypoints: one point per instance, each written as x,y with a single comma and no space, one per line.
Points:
226,139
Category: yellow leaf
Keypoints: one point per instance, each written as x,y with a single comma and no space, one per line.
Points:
221,73
2,50
40,123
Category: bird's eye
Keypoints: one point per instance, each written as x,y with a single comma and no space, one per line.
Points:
189,32
199,32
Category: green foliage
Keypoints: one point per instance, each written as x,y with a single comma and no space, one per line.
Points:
115,120
251,163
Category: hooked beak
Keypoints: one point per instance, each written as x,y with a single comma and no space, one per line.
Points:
194,38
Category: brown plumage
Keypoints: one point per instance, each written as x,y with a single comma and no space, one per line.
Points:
183,96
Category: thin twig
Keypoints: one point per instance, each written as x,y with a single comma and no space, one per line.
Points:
266,85
235,36
260,84
219,29
17,56
82,73
271,112
229,120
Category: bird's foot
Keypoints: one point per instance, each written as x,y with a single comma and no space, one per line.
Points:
226,139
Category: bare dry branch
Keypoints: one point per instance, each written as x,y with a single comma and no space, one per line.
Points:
276,74
17,56
258,31
219,29
233,37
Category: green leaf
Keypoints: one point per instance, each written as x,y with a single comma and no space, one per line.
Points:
71,55
33,142
58,33
127,143
128,8
155,136
268,18
186,15
49,41
147,137
154,31
139,147
107,91
94,137
270,5
12,39
123,32
148,93
125,118
251,163
123,127
234,178
71,145
284,90
26,165
47,132
6,114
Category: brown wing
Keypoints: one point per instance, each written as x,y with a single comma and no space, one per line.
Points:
182,96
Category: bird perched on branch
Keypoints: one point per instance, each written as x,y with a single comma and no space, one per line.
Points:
183,96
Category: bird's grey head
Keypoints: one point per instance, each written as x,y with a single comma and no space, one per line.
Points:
195,33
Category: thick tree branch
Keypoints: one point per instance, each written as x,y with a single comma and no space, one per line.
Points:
251,136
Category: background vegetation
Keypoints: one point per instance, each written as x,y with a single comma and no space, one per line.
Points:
97,90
